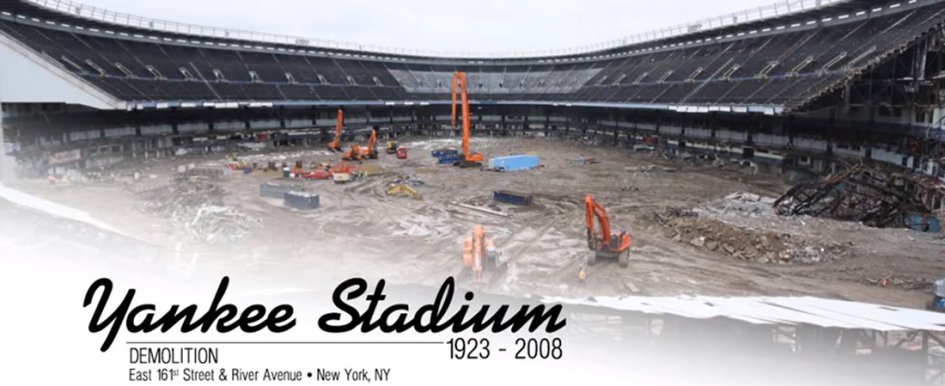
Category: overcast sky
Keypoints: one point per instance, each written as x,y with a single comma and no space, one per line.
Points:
440,25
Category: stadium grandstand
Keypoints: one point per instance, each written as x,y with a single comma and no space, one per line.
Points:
802,83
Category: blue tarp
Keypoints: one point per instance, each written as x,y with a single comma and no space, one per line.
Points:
514,162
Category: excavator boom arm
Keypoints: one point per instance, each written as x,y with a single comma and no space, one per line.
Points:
592,210
372,141
459,82
339,126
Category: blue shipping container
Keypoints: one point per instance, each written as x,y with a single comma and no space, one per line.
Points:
513,198
437,153
514,162
448,158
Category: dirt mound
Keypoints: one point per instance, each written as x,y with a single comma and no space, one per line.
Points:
686,226
745,244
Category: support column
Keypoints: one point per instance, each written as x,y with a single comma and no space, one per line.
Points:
7,165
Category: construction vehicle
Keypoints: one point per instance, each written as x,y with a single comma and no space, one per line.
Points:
354,154
359,153
479,254
391,147
401,152
468,158
371,149
341,172
404,190
319,174
335,144
605,245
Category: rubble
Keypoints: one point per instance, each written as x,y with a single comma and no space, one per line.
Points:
741,203
196,205
411,181
649,169
745,244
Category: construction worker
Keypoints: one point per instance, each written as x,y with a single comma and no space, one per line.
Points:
582,275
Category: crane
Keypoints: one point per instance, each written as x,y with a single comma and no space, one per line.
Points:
468,158
335,144
606,245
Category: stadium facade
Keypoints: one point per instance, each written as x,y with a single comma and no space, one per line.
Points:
800,83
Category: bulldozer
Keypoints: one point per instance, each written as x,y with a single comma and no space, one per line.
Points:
404,190
479,254
605,245
391,147
468,158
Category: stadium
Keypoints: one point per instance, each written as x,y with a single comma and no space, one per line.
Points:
658,125
776,173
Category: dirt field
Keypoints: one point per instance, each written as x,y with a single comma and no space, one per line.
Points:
693,229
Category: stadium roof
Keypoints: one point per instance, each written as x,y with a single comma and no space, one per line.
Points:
770,64
785,12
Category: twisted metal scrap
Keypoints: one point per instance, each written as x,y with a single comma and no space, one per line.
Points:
857,194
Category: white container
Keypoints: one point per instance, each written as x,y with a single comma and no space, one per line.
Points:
940,288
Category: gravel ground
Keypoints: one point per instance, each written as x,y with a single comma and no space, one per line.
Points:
359,230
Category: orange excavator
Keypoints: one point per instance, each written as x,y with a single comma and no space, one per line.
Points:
479,253
371,150
335,144
468,158
359,153
605,245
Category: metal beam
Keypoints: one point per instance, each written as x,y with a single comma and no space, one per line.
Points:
3,151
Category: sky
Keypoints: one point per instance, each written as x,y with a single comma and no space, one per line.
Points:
480,26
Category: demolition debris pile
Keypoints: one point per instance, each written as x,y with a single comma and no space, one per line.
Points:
860,194
196,205
702,230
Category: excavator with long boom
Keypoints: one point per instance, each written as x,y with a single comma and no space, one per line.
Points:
605,245
335,144
468,158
